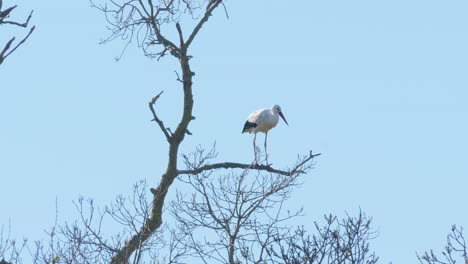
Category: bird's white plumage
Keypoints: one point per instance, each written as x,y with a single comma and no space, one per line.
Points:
265,119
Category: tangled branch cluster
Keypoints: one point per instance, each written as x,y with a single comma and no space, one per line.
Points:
145,21
456,247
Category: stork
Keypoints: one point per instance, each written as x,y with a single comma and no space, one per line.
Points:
262,121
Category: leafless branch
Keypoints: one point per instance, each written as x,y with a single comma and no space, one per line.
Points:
178,77
88,241
4,54
343,241
156,119
456,245
299,168
212,5
9,48
181,37
143,21
10,248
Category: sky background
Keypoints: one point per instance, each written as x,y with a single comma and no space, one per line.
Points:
380,88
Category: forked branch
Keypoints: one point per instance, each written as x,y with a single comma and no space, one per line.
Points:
9,48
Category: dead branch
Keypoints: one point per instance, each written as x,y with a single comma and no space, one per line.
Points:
212,5
143,21
181,37
233,165
156,119
10,248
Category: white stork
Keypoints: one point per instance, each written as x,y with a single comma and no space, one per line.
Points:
262,121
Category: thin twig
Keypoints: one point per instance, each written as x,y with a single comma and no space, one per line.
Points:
202,21
3,56
156,119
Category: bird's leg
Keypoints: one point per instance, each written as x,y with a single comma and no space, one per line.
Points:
255,149
266,153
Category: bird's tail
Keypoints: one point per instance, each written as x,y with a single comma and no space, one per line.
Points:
248,126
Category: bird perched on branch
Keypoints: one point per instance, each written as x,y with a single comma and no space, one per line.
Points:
262,121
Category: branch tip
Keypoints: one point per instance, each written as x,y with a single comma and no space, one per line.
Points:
153,100
155,116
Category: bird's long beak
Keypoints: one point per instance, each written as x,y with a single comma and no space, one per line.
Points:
282,116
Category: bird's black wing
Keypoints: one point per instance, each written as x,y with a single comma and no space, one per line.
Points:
248,125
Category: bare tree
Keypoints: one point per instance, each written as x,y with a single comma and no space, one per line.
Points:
10,47
150,23
456,247
233,217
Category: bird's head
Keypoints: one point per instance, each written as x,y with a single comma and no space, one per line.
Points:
277,109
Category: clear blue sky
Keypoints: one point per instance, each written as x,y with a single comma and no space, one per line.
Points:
379,87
